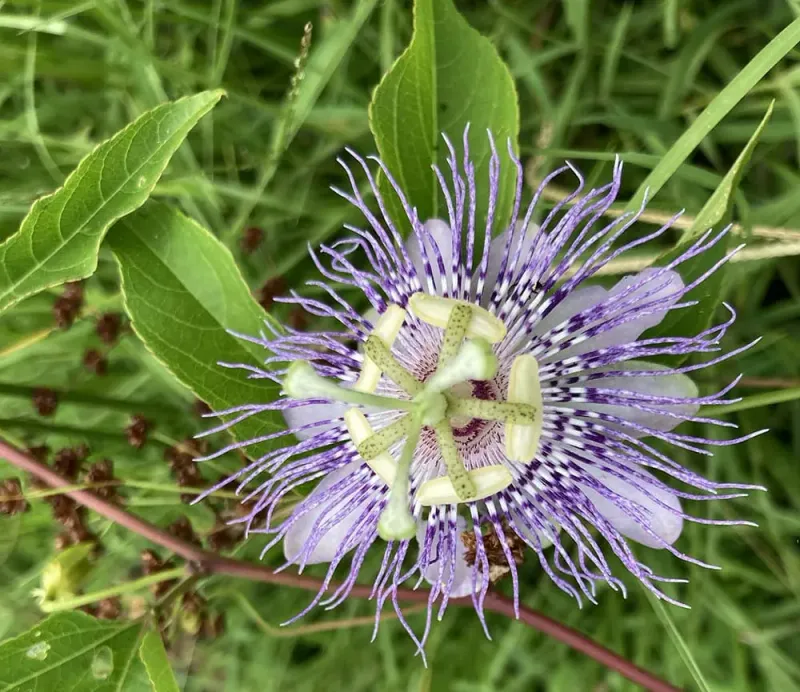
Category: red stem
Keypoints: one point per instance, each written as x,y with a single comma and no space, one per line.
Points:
211,563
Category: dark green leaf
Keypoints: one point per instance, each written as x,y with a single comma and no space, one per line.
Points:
59,238
448,76
70,652
182,290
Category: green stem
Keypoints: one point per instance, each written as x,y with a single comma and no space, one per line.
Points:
64,397
455,332
380,354
379,442
456,471
128,587
396,521
520,414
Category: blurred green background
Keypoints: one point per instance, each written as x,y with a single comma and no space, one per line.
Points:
594,79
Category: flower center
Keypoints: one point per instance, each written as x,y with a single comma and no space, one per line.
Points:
455,397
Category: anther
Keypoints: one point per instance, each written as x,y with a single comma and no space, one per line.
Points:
522,439
436,311
387,327
359,428
487,480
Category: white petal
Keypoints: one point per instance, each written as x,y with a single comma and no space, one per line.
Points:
327,415
664,523
300,531
573,303
442,238
497,250
669,282
462,583
675,385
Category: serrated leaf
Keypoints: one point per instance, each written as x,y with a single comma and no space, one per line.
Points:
182,290
715,214
448,76
154,657
70,652
59,239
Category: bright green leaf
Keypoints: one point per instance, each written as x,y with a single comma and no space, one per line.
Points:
59,239
448,76
719,107
715,214
154,657
182,290
70,652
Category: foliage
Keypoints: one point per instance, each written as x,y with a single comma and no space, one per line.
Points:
111,117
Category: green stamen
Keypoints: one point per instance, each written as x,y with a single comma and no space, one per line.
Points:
396,522
379,442
521,414
454,333
378,352
302,382
456,472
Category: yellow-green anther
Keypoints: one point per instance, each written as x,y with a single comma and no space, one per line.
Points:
522,440
510,412
380,354
488,480
463,485
303,382
387,327
395,521
359,428
436,310
455,331
473,361
380,441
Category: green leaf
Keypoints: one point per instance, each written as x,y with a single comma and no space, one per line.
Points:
59,239
720,106
182,290
448,76
715,214
154,657
70,652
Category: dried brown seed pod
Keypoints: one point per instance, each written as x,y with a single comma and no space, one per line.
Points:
137,430
182,528
95,362
108,327
11,499
252,237
495,554
103,472
270,290
45,401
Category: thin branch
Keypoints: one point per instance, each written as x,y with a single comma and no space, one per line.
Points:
208,563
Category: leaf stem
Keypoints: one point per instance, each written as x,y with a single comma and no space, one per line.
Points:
127,587
210,563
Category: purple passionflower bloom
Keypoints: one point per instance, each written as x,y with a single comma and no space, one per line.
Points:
491,398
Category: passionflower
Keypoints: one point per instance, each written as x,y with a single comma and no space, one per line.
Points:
481,398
